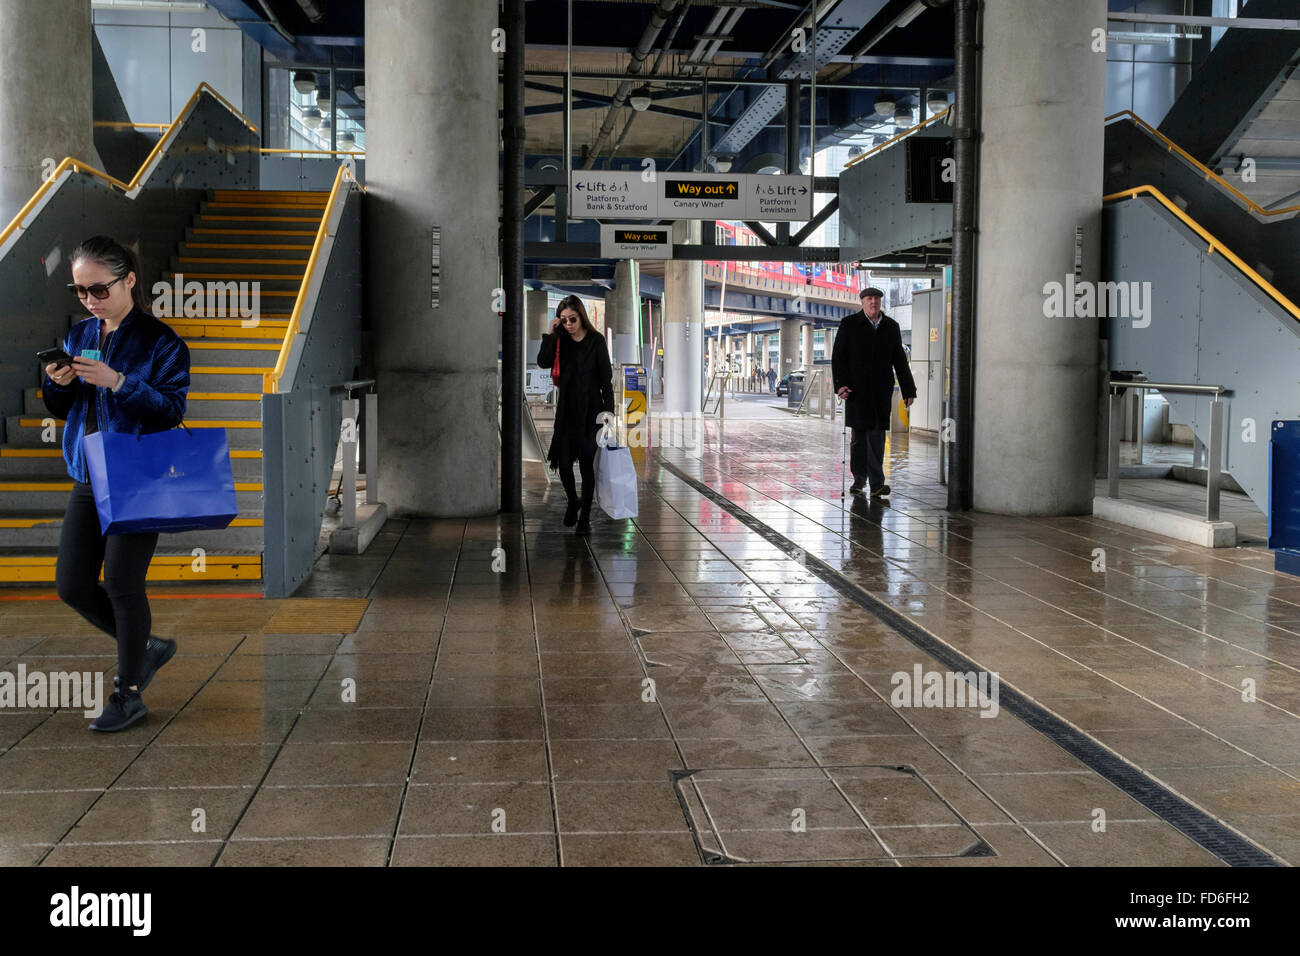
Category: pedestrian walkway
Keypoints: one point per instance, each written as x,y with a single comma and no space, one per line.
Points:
716,682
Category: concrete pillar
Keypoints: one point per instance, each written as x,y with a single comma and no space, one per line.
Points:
683,329
620,312
45,100
806,347
431,137
537,319
789,348
749,355
1036,377
830,342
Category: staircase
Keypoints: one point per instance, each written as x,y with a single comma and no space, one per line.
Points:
237,236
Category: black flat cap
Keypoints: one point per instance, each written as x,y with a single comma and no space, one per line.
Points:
871,290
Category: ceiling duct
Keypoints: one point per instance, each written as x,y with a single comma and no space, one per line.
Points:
658,18
833,33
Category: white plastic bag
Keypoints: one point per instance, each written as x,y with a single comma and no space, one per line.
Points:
616,481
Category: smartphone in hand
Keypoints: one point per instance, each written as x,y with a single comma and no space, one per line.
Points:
57,356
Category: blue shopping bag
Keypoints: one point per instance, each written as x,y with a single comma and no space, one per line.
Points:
166,481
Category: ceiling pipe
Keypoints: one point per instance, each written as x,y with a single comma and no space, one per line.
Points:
663,51
658,18
312,12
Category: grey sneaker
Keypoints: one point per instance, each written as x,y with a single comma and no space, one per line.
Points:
123,709
157,652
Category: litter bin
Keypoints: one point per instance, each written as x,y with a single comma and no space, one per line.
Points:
795,395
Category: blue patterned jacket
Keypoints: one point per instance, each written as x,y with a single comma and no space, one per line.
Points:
156,363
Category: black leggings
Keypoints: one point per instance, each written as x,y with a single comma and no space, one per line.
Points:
118,607
586,465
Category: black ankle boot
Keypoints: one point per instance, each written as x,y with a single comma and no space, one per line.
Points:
571,514
584,521
123,709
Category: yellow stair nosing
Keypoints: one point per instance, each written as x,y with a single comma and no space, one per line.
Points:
252,260
191,422
259,232
306,247
32,522
231,370
67,486
203,217
58,452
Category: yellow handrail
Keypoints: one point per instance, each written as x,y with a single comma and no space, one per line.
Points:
1198,165
889,142
128,125
1214,244
271,379
76,165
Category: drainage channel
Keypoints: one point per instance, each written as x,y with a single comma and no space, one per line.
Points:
1196,824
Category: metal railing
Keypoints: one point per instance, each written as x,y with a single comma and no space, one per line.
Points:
1199,166
328,221
719,379
349,439
819,384
894,139
1214,458
72,165
1213,244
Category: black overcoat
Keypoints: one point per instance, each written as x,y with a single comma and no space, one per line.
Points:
866,360
586,389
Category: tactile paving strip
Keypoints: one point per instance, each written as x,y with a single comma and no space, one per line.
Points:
1196,824
317,616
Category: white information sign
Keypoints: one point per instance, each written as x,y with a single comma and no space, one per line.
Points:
623,194
778,198
636,242
601,194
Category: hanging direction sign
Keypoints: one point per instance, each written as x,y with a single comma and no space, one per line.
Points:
623,194
778,198
636,242
701,196
611,195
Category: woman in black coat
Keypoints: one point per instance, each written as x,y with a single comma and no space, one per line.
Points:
585,389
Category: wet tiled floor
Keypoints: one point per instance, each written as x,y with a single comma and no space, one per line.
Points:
678,689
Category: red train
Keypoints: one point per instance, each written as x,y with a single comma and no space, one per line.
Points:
835,275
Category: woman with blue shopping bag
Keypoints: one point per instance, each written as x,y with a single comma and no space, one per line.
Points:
129,373
579,362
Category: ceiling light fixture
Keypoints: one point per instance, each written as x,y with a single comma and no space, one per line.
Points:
640,99
304,81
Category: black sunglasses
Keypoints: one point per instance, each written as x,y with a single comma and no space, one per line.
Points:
99,290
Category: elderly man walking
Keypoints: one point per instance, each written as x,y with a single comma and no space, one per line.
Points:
868,352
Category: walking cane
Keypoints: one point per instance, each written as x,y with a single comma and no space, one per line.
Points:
844,431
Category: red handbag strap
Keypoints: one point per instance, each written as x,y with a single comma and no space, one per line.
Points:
555,366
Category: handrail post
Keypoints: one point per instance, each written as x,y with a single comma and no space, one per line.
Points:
1141,420
1214,460
1112,449
372,448
351,409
